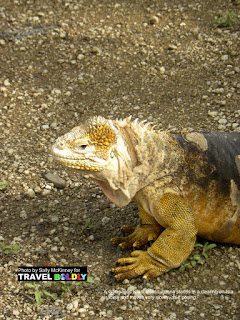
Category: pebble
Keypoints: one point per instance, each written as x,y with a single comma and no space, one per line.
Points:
7,83
222,121
80,56
16,313
45,192
172,47
75,304
105,220
212,113
96,50
162,69
154,20
218,90
23,215
54,218
30,193
55,179
45,126
62,34
224,57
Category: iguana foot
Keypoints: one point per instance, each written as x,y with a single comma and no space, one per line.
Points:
141,263
140,235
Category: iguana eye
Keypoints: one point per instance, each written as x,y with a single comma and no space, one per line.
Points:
82,147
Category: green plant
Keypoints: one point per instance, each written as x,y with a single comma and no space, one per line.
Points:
198,257
88,224
6,249
227,20
39,293
3,184
66,287
62,289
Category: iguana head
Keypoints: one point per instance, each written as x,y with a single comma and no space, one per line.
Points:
88,147
98,149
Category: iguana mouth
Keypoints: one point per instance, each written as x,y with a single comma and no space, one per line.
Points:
89,164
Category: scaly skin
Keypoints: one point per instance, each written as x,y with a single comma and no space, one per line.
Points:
169,250
183,184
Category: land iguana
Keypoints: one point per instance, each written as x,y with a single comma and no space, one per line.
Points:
184,184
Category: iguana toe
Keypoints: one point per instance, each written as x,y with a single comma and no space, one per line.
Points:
126,229
139,264
141,235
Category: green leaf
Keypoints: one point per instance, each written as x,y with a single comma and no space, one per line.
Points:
30,285
210,246
193,263
16,246
38,297
52,295
3,184
198,245
7,247
90,279
197,257
182,268
205,255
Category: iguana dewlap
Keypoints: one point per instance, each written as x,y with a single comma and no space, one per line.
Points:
184,185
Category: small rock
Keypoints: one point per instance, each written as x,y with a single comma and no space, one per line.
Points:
45,192
23,215
224,57
154,20
80,56
172,47
162,69
6,83
75,304
70,306
222,121
105,220
56,180
62,34
16,313
218,90
30,193
212,113
96,50
45,126
54,249
54,218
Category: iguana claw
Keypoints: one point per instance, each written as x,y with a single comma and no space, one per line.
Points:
141,263
140,236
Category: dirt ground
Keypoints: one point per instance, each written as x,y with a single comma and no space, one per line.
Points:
64,61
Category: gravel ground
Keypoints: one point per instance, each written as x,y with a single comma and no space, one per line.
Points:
63,61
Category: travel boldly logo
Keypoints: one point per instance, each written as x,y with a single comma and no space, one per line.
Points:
52,273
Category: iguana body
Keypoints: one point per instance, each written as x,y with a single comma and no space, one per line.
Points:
183,184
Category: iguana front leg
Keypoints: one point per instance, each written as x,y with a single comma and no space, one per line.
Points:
172,247
143,233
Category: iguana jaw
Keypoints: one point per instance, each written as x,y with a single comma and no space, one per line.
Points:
80,157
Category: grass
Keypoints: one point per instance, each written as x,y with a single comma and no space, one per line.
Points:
194,259
55,290
226,20
9,248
